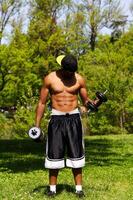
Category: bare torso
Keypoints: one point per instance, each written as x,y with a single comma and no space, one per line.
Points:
64,91
63,88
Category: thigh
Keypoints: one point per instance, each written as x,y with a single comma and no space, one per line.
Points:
56,142
75,139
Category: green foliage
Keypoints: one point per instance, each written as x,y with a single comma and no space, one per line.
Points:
109,69
6,127
24,119
25,116
29,57
46,37
8,11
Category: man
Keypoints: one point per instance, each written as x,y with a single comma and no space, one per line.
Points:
64,129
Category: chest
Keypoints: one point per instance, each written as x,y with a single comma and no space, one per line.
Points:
60,86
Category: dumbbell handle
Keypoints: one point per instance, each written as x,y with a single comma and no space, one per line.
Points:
98,103
105,91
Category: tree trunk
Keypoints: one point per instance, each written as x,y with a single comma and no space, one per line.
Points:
122,119
93,38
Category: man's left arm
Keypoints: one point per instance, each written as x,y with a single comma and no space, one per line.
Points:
83,93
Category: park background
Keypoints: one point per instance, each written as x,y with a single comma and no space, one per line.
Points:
100,34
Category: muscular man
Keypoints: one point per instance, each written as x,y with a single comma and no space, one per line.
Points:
64,129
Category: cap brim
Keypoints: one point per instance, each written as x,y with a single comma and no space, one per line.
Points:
59,59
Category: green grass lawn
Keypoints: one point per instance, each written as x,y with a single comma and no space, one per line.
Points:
108,174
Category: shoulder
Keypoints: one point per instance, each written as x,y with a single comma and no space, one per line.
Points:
80,79
48,78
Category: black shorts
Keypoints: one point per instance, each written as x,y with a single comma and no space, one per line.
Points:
65,137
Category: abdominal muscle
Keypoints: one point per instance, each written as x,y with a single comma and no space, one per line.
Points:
64,101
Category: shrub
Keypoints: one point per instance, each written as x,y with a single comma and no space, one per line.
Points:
6,127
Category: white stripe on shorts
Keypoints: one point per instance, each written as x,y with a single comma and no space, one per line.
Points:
77,163
51,164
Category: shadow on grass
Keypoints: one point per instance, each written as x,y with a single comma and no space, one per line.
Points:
105,152
26,155
21,155
22,147
43,189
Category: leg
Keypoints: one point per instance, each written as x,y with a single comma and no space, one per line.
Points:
77,172
53,173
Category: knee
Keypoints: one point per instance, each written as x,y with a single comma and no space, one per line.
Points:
53,172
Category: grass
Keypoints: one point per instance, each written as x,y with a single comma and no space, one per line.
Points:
108,174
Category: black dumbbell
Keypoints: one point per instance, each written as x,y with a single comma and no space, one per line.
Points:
100,98
36,134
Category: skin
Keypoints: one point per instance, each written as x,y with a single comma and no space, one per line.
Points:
64,88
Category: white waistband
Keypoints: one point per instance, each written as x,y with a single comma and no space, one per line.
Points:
57,112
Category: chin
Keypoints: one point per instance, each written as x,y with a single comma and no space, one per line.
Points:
69,74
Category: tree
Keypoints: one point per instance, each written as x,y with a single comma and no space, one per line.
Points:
110,67
46,37
73,27
8,9
99,14
18,81
118,26
131,8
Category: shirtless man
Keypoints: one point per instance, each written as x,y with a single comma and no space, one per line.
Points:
65,129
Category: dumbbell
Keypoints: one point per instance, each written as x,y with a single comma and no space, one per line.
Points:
36,134
100,98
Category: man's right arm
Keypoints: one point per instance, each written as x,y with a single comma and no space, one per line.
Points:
42,102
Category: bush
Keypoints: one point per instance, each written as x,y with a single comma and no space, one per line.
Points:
6,127
25,119
107,130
